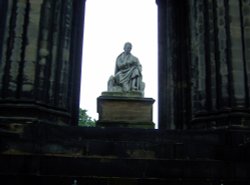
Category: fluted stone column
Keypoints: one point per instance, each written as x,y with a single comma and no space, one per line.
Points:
174,93
204,63
220,59
40,50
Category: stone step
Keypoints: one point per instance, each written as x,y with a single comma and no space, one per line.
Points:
125,143
44,165
77,180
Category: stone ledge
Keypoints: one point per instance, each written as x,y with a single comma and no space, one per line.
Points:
124,124
45,165
124,94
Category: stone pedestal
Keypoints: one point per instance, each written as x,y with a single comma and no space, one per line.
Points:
116,110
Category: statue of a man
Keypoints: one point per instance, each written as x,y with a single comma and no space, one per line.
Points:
127,75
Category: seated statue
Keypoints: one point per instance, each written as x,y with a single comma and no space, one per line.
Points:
127,77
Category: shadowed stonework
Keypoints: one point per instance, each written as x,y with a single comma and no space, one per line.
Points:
204,79
41,47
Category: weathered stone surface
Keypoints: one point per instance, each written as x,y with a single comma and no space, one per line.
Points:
128,73
203,62
124,94
40,59
203,79
53,154
122,111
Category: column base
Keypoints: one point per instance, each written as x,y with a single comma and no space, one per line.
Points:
29,112
222,119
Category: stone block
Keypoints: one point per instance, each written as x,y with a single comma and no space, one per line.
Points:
122,111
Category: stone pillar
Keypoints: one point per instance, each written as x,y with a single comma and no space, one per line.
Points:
40,60
220,62
204,63
174,90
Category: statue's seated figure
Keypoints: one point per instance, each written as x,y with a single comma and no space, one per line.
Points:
127,77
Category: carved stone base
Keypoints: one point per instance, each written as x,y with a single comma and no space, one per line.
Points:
120,111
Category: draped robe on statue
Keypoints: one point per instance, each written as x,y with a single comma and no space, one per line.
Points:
128,75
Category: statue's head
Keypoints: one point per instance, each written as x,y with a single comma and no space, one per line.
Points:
127,47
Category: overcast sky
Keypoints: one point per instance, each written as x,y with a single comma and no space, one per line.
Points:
108,25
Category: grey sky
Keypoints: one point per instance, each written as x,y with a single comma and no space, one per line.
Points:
108,25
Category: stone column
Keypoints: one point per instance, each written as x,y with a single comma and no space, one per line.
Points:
40,60
174,93
220,59
204,63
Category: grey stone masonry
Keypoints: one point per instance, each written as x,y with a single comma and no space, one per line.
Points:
40,49
124,111
203,63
